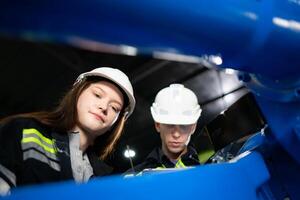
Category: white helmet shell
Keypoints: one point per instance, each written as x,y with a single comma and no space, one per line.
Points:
117,77
176,104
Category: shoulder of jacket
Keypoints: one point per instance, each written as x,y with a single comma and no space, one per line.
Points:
21,120
20,123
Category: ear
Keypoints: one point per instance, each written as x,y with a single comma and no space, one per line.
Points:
157,126
194,128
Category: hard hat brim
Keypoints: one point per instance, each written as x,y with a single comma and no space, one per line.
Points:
175,119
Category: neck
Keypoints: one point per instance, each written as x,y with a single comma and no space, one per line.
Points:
84,141
172,155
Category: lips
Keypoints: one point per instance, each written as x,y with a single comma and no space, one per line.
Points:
174,144
98,116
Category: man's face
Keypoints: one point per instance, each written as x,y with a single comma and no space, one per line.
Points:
174,137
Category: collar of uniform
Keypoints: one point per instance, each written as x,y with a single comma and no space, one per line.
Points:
74,138
81,166
189,158
157,157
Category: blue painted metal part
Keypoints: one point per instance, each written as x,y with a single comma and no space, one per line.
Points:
259,38
284,173
283,119
242,182
255,141
253,36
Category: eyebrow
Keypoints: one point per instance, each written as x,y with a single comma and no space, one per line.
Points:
113,100
95,86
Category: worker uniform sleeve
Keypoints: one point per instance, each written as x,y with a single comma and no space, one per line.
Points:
10,155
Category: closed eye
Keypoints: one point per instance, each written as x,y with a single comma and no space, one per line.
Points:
115,109
97,95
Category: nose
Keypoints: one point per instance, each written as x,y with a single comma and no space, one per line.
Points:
176,132
103,105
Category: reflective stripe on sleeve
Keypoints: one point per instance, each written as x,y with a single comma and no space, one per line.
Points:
32,145
9,174
36,146
36,132
32,153
38,142
34,136
4,187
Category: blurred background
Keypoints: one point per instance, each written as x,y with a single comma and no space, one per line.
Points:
34,75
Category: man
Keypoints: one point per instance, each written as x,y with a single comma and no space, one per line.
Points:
175,112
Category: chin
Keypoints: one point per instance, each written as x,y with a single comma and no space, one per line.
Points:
177,150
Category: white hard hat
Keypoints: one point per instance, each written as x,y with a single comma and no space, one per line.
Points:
117,77
176,104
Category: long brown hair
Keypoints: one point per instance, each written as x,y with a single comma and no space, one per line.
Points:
64,117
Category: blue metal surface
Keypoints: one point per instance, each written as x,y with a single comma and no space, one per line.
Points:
283,119
259,38
252,36
239,180
254,142
284,174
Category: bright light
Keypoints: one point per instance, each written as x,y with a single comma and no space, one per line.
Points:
229,98
129,153
289,24
103,47
128,50
176,57
217,60
229,71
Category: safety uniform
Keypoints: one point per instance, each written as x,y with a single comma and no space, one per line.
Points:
157,159
31,153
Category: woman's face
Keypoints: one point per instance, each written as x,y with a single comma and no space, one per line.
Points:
98,107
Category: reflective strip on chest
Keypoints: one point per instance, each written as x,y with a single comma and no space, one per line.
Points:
180,164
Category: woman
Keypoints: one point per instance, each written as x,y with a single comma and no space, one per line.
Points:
71,141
